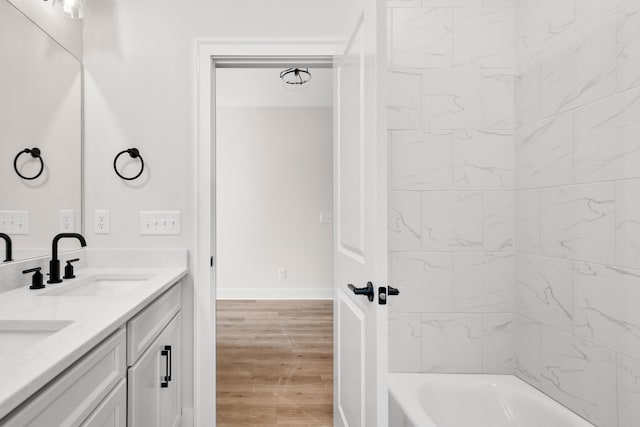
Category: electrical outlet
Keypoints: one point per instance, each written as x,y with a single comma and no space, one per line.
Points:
160,223
67,220
282,273
14,222
101,222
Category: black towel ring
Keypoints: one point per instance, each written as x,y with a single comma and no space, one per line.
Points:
35,153
135,154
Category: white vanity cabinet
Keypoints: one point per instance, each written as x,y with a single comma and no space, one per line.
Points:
131,379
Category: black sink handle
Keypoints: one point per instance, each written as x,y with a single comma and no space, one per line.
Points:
37,280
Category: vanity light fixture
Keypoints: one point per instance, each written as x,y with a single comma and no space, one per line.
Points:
73,9
295,76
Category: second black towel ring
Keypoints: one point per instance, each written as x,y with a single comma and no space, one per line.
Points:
35,153
134,153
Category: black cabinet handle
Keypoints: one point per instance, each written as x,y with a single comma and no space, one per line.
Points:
166,352
168,348
368,290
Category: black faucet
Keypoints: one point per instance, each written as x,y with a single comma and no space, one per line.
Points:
54,264
7,241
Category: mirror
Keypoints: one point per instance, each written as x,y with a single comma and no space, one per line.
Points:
40,107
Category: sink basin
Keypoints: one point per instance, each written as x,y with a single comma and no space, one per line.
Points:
19,335
99,286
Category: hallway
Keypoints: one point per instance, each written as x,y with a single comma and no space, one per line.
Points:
274,363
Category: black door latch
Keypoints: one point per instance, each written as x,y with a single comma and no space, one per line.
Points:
383,291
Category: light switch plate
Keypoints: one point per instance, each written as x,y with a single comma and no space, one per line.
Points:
14,222
326,218
160,223
67,221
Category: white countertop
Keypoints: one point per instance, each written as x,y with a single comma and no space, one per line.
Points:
94,319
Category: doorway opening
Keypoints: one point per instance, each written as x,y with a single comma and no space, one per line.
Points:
274,242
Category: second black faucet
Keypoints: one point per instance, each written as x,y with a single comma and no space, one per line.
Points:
7,241
54,264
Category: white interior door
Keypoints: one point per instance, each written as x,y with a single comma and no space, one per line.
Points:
360,252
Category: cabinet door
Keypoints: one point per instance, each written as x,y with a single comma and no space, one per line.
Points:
171,395
155,381
112,412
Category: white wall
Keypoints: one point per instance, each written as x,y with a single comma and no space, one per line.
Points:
577,210
274,179
139,69
67,32
450,118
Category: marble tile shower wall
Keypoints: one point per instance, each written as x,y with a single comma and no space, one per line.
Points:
451,202
577,103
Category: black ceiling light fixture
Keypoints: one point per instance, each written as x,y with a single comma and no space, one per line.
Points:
295,76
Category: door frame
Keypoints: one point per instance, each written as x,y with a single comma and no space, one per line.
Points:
204,296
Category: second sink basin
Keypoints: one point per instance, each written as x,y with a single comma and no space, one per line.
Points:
19,335
99,286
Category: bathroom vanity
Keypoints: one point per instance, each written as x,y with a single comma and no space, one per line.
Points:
104,347
101,349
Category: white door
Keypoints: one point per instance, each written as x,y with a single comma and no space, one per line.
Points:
360,252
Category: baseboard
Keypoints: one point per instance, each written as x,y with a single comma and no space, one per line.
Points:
274,293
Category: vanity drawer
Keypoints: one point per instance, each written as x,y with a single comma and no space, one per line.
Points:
143,329
74,395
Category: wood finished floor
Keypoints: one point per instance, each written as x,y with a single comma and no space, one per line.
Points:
275,363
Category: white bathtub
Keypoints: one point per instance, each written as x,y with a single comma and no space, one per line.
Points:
447,400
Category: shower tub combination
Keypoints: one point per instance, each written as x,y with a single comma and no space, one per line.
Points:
455,400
